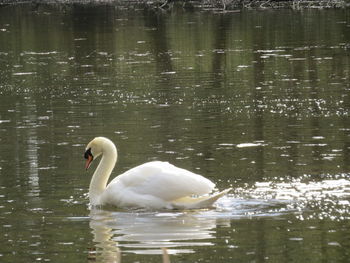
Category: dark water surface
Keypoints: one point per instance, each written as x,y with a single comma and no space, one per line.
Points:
257,100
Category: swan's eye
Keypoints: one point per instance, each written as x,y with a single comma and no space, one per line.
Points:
88,154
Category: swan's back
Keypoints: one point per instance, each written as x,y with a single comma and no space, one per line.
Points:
159,181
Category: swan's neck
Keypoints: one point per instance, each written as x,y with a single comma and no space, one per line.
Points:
101,175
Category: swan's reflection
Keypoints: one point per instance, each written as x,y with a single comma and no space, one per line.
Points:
148,232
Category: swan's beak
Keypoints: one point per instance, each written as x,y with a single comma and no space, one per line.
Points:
88,162
89,158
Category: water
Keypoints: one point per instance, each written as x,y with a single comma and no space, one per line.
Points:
257,100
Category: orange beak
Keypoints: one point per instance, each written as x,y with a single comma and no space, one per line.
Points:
88,162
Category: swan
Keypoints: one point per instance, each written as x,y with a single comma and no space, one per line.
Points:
154,185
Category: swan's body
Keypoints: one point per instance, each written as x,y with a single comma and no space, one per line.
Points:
150,185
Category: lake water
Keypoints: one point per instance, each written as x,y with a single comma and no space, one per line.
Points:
258,101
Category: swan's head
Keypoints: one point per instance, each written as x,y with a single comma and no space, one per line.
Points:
95,148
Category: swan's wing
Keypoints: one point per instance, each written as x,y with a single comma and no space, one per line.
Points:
199,202
163,180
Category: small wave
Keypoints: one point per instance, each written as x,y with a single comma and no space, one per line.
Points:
306,197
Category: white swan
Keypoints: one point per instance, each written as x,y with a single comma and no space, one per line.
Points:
153,185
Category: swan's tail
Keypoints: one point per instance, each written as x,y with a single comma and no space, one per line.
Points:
199,202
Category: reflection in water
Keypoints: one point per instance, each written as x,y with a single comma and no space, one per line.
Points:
103,237
32,151
28,126
148,232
